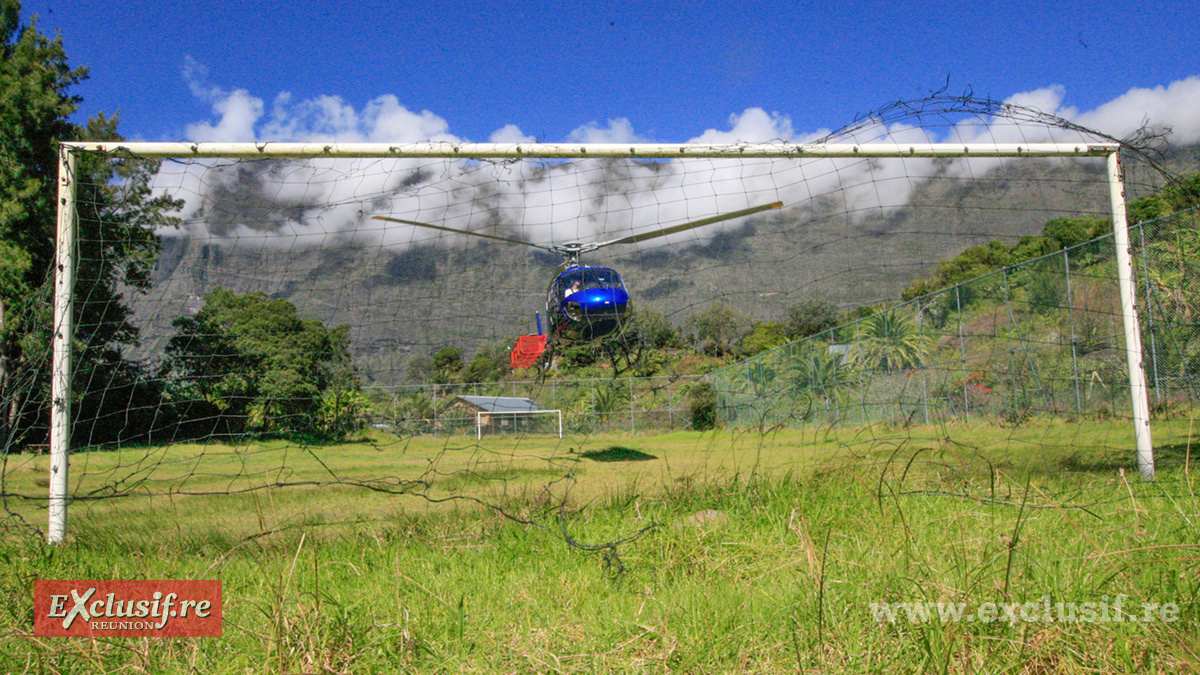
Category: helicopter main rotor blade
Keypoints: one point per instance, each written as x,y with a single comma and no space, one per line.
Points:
451,229
633,239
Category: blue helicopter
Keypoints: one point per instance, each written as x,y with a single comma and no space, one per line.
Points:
586,302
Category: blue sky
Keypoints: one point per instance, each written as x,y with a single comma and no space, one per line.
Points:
671,69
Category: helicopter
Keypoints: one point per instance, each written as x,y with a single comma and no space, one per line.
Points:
584,302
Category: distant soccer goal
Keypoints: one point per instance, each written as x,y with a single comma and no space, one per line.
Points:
280,284
499,419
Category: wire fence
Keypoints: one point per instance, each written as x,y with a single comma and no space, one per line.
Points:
1040,337
627,405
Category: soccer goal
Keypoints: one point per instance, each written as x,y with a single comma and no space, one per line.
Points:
515,421
352,264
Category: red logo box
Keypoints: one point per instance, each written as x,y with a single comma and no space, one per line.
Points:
107,608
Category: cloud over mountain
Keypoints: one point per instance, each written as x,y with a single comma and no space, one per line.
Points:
292,202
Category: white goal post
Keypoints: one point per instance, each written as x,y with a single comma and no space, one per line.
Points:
482,416
67,224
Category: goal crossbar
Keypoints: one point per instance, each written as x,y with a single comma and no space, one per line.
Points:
447,149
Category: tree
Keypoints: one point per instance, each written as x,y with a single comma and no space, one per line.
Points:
638,347
1178,195
420,369
642,345
481,369
702,407
718,330
888,341
1067,232
810,317
766,336
34,107
491,362
447,362
652,329
249,363
117,249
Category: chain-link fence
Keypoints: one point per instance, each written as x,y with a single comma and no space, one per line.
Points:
627,405
1043,336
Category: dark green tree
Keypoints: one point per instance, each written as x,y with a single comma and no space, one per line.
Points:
653,330
810,317
447,363
247,363
702,407
114,398
638,347
481,369
643,345
718,330
420,369
1067,232
766,336
888,341
1180,194
491,362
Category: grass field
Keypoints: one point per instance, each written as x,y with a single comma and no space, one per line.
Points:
682,553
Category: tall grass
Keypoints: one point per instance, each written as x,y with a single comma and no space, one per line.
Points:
738,553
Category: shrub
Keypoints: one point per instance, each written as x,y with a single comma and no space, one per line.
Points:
702,407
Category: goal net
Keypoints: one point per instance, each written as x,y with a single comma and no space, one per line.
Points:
225,301
519,422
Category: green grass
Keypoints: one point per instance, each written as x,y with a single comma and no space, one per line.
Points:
512,574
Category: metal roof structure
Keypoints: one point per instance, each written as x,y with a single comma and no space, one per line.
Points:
502,404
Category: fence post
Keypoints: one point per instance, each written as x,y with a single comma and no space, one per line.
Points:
1071,322
962,350
1133,331
837,392
1012,362
1033,369
862,384
921,338
1149,314
632,425
670,408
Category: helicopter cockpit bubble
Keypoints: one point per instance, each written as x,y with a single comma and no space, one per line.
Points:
587,278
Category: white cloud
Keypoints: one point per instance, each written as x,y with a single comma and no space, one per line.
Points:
238,112
619,130
196,76
386,121
1175,106
752,125
590,199
510,133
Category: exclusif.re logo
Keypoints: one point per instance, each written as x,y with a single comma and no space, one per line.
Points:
126,608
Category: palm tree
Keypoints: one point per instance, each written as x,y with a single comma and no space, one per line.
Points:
888,341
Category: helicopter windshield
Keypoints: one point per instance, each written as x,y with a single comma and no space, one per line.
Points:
586,278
